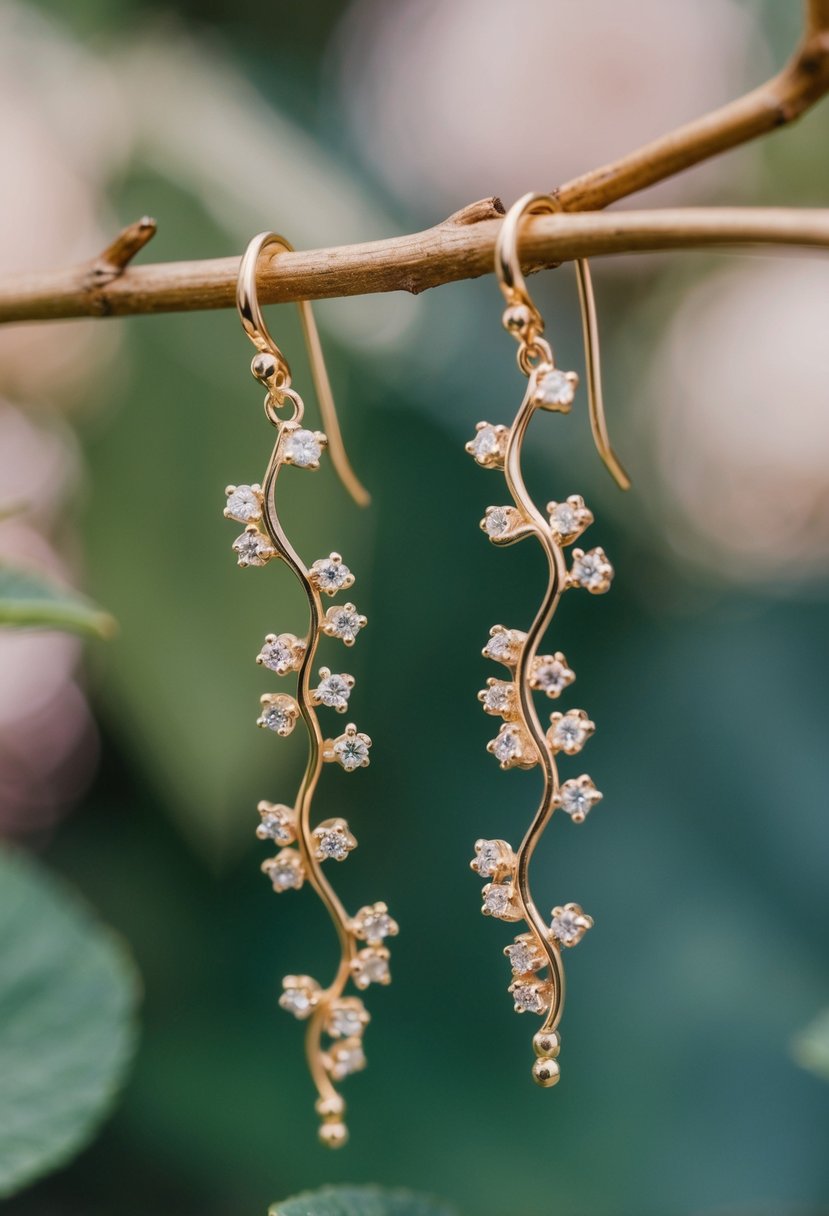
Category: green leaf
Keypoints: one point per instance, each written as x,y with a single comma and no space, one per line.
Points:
811,1046
68,991
30,600
361,1201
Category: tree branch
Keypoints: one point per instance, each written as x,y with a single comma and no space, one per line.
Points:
462,246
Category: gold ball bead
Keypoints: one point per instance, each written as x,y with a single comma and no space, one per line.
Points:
264,366
333,1135
546,1044
330,1106
517,318
546,1073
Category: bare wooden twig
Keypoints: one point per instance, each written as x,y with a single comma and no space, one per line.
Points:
462,246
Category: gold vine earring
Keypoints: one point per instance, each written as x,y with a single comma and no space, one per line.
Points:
303,849
521,741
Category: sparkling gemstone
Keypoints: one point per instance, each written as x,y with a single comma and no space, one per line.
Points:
278,718
345,622
351,752
551,675
334,842
524,956
592,570
576,797
507,746
485,445
371,967
488,858
497,898
530,998
252,548
347,1019
285,870
375,924
555,389
504,645
569,924
300,996
277,655
243,505
302,448
334,692
569,732
330,575
346,1058
497,521
276,824
498,698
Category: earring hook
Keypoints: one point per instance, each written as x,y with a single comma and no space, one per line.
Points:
514,287
253,322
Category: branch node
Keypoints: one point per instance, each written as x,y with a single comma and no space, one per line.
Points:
474,213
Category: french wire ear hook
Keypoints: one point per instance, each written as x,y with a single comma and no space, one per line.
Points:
250,314
514,287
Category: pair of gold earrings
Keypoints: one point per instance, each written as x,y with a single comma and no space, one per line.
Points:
336,1018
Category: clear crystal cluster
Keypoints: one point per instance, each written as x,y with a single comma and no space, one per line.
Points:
279,713
330,574
343,621
333,690
282,652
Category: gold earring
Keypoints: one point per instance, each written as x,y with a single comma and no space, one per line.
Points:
303,848
521,740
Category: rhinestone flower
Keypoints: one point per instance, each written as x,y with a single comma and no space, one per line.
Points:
302,448
371,966
512,747
591,570
489,445
498,698
347,1018
281,652
555,390
277,823
569,519
531,996
504,645
569,924
493,859
332,690
525,955
550,674
350,749
253,548
300,996
577,797
344,1058
372,924
244,503
569,732
279,713
343,621
499,901
285,871
330,574
501,523
333,840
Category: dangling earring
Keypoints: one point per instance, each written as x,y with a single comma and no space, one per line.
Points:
521,740
303,848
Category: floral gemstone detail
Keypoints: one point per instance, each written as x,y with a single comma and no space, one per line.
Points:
253,548
350,749
333,690
504,645
531,996
371,966
279,713
330,574
300,996
569,732
244,503
333,840
493,859
345,1058
550,674
513,747
303,448
525,955
347,1018
499,901
489,445
282,652
343,622
555,390
372,924
278,823
569,924
569,519
285,871
577,797
591,570
498,698
501,522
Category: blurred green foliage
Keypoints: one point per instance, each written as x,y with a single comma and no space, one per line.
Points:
704,867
